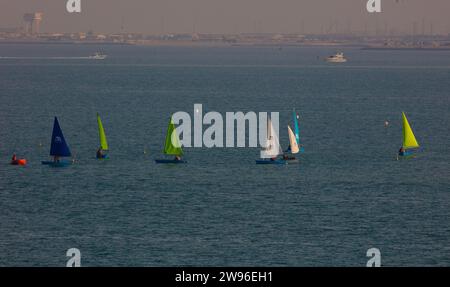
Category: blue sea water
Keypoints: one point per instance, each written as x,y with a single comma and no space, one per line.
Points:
348,194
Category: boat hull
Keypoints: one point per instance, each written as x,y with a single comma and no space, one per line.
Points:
406,154
105,156
336,61
267,161
57,164
170,161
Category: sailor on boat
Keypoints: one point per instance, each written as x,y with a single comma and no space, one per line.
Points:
16,161
100,153
287,157
286,154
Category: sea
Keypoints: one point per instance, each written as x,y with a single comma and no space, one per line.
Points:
348,194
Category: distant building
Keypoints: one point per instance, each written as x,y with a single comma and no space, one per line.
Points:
33,22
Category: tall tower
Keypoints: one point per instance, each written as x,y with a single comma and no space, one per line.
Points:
28,19
37,19
33,22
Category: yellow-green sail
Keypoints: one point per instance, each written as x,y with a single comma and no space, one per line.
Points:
409,140
172,146
102,135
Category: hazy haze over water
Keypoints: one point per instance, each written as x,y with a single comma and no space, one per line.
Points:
233,16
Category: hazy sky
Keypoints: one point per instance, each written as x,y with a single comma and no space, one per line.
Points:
231,16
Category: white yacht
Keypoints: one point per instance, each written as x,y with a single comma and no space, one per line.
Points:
98,56
338,58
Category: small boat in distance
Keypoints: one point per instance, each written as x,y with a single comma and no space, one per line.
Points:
98,56
293,148
272,150
103,142
295,117
294,141
337,58
172,146
409,140
18,161
58,148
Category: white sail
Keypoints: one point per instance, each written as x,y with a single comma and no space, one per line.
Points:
293,141
272,148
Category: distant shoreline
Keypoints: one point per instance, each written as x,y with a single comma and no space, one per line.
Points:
406,49
157,43
61,43
182,44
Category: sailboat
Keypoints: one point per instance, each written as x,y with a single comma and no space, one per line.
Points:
293,148
58,148
409,140
272,149
103,142
297,133
172,146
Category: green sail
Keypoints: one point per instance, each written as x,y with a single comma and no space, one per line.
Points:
172,146
102,135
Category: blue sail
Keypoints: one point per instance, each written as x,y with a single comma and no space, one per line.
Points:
59,146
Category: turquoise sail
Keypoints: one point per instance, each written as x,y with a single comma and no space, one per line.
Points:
296,127
297,130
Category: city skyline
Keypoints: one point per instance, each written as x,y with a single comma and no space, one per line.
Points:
233,16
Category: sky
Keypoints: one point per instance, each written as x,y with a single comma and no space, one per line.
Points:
232,16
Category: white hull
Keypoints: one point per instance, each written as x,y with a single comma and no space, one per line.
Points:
332,60
98,56
338,58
